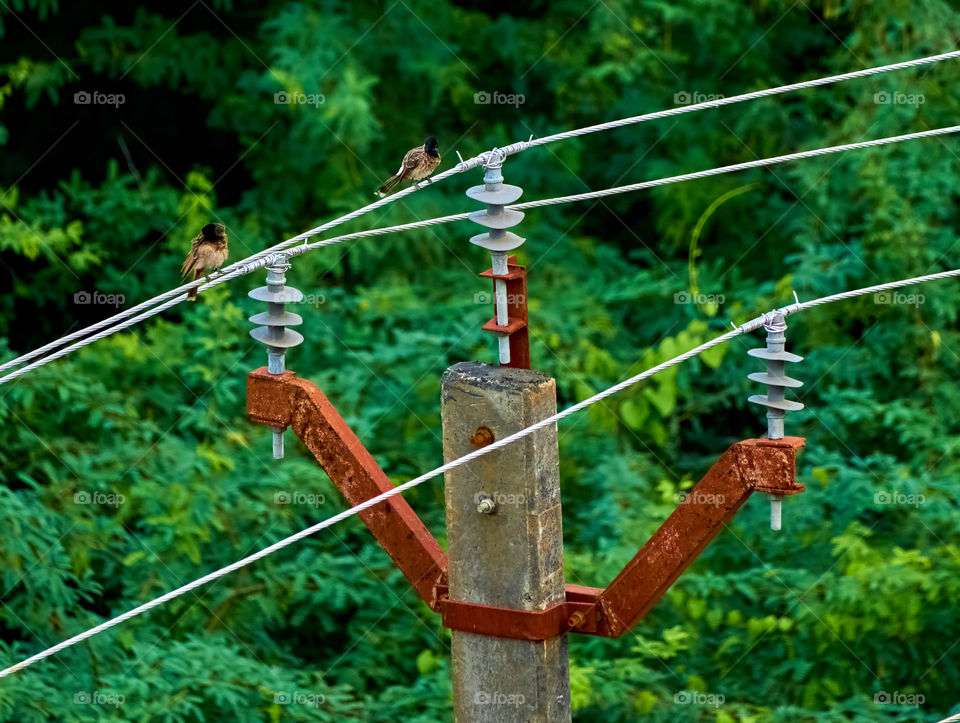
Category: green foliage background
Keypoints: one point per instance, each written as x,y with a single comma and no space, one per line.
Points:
853,598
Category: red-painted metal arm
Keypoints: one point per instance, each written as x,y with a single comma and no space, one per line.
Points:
283,400
754,465
517,329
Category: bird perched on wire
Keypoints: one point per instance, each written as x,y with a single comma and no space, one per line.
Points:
418,164
207,254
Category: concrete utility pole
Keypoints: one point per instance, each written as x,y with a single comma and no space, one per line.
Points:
505,542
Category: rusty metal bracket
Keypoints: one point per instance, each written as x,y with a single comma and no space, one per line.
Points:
516,282
580,612
282,400
753,465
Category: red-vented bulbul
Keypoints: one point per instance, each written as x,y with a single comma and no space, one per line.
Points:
207,254
418,163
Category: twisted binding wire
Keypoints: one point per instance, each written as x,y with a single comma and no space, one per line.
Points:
774,321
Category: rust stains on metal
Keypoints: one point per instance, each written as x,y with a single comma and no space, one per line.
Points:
483,437
769,465
516,283
579,607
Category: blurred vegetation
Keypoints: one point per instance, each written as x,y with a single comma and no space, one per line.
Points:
853,599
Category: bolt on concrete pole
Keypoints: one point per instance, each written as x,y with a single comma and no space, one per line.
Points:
505,542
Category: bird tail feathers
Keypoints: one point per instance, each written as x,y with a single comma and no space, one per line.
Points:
192,294
390,184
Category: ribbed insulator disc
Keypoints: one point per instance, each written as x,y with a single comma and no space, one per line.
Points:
504,219
272,318
501,197
269,335
283,295
507,242
774,355
786,405
774,380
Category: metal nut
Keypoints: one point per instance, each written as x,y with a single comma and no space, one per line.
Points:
486,506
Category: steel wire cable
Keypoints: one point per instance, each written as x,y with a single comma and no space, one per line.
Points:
470,163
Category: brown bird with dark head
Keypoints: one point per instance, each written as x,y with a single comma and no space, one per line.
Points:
208,253
418,163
